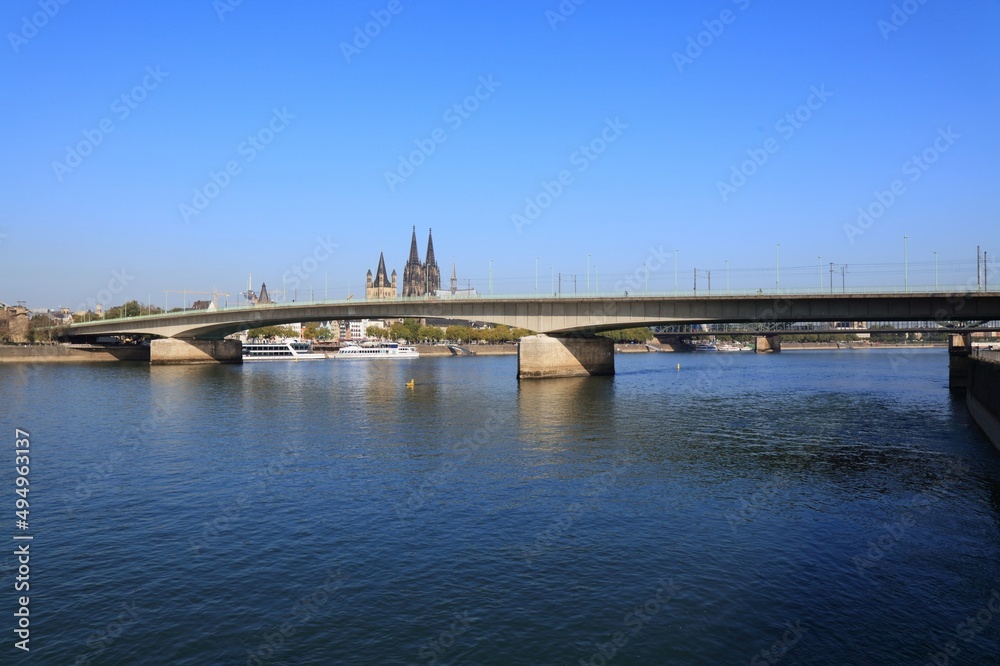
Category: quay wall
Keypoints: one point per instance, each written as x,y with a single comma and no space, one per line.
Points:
983,396
62,353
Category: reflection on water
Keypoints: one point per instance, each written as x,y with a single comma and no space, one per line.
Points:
474,519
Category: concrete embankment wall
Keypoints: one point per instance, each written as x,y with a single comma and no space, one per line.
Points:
72,353
479,350
983,396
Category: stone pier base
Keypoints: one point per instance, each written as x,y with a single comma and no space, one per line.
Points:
768,343
959,349
175,351
540,356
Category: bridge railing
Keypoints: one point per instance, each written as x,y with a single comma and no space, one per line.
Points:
602,295
988,354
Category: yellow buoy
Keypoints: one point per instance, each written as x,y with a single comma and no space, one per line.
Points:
678,366
410,383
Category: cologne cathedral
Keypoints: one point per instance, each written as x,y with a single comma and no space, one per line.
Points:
421,278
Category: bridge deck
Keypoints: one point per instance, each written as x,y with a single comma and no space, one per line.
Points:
567,315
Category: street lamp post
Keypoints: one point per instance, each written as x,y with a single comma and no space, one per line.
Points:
935,270
491,277
588,273
906,285
777,286
819,263
675,272
646,286
727,276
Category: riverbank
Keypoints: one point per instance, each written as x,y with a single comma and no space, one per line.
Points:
801,346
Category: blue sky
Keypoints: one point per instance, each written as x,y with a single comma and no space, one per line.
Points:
674,128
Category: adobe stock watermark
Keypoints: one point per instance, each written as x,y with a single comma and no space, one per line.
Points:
223,7
294,277
786,126
303,611
635,621
900,15
966,631
915,167
248,149
116,285
595,487
763,496
781,647
562,13
454,116
894,532
363,36
434,648
31,25
581,158
122,107
102,639
697,44
656,260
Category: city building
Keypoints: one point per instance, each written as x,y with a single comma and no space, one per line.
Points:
13,323
381,286
419,278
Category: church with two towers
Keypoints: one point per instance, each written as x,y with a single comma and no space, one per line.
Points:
419,278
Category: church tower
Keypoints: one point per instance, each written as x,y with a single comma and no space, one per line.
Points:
380,287
432,272
413,272
420,278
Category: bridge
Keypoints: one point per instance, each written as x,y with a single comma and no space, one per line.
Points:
565,344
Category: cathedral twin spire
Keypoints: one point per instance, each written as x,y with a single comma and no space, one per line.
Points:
421,278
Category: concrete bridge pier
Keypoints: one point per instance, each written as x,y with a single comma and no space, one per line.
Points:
959,350
674,343
177,351
767,344
542,356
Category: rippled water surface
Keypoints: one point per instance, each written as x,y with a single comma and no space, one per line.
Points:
802,508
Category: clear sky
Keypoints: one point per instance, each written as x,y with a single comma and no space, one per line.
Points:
668,124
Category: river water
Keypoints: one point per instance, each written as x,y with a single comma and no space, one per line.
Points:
822,507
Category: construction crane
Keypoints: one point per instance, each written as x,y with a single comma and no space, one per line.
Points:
215,293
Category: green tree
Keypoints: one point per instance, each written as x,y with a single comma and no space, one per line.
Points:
313,331
397,331
272,332
412,327
131,308
376,332
460,334
640,334
39,328
431,333
878,336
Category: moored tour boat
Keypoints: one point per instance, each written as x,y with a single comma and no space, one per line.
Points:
376,350
288,350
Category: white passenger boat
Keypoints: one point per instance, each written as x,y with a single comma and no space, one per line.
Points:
289,350
376,350
726,347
